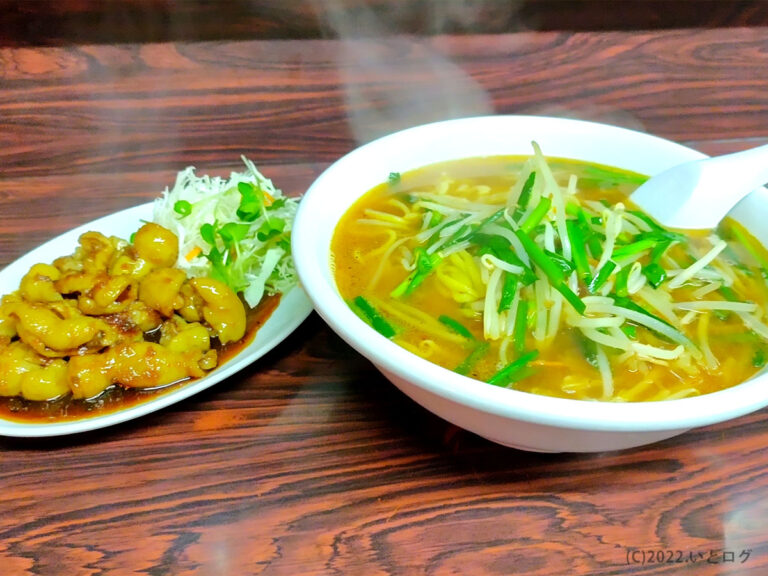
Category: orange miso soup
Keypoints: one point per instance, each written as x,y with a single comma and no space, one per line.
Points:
541,275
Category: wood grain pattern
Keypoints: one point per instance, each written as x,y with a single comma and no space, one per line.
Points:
139,108
309,462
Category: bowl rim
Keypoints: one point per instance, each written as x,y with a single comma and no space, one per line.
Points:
576,414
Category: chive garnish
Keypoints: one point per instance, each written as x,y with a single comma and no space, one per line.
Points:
551,270
469,362
525,194
521,326
514,371
456,326
537,215
368,312
578,250
655,274
508,291
602,276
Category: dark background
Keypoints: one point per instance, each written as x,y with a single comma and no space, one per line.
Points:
62,22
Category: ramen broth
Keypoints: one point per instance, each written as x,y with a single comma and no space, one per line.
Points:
436,260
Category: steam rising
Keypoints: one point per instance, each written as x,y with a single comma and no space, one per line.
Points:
394,82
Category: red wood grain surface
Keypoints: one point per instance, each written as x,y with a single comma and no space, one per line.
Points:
309,462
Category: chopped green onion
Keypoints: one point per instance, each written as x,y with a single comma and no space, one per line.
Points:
565,265
578,250
729,294
477,353
525,194
368,313
588,348
636,247
571,297
632,305
508,291
759,359
436,234
551,270
745,241
425,264
514,371
500,247
457,237
622,278
590,237
647,219
456,326
572,209
521,326
659,249
393,178
609,176
662,235
537,215
630,330
655,274
182,207
540,259
602,276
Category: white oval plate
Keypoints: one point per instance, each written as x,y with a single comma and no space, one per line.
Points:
293,309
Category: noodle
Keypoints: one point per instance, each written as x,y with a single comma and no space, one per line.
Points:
477,263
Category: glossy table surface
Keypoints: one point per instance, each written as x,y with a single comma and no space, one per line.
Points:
309,462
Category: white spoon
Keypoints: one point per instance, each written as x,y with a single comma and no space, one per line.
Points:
699,194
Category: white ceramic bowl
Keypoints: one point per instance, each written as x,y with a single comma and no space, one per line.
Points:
509,417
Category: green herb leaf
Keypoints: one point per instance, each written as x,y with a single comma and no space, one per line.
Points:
233,232
270,229
251,201
208,233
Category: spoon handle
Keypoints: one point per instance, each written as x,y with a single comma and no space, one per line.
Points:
733,176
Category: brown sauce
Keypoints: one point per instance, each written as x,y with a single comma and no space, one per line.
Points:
116,398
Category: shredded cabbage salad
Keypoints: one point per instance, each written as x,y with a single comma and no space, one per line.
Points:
236,230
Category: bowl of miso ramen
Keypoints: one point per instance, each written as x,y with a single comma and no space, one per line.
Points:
496,270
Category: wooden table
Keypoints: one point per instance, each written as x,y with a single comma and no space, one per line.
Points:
309,462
